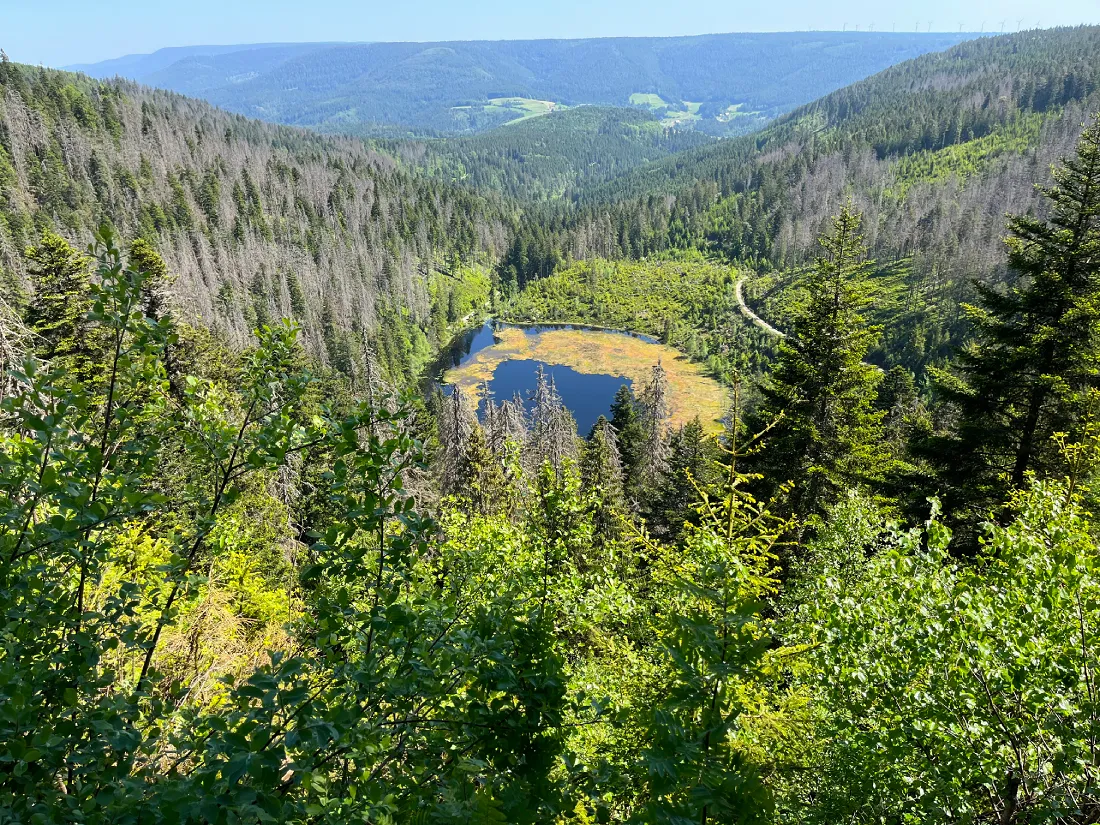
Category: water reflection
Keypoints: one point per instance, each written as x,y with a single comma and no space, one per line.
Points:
587,396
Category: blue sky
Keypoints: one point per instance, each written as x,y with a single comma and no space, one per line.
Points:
61,32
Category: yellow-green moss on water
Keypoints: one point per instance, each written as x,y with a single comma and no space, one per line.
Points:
691,393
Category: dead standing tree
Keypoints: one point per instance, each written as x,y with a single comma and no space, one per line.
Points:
553,435
655,409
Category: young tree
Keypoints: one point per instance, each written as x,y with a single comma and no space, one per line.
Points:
480,481
820,385
154,297
948,691
1034,355
690,470
712,642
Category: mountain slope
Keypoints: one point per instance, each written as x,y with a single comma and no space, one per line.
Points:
933,152
140,67
925,104
549,157
724,83
943,144
257,221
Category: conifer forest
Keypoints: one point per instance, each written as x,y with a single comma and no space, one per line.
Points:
262,562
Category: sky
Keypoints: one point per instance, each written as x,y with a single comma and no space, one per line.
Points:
63,32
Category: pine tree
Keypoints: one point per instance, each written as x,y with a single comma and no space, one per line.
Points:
1034,356
820,384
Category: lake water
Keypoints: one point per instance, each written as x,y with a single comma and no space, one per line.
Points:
586,395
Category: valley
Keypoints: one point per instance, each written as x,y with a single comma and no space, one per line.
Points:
766,494
383,88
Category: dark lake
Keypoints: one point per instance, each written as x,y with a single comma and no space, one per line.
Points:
586,396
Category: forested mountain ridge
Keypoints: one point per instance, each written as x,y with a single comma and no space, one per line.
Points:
933,152
732,81
550,156
256,222
140,67
981,89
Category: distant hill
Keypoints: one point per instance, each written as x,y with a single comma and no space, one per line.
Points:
933,152
143,66
553,156
720,83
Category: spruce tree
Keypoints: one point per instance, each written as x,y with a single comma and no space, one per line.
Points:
553,436
820,384
691,465
1034,354
481,485
602,477
654,411
154,293
57,314
455,425
629,437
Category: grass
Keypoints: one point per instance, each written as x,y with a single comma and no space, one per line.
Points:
523,107
689,114
691,393
653,101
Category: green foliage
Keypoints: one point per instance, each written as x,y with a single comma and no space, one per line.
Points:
713,640
951,692
1028,372
222,598
819,392
963,160
58,308
686,301
690,469
124,511
548,157
602,474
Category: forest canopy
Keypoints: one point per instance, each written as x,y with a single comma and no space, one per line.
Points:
252,570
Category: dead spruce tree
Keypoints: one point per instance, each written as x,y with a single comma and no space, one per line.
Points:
455,425
553,435
654,413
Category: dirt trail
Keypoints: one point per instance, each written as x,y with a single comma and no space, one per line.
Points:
756,320
752,316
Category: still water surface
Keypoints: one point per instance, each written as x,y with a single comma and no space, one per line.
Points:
587,396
